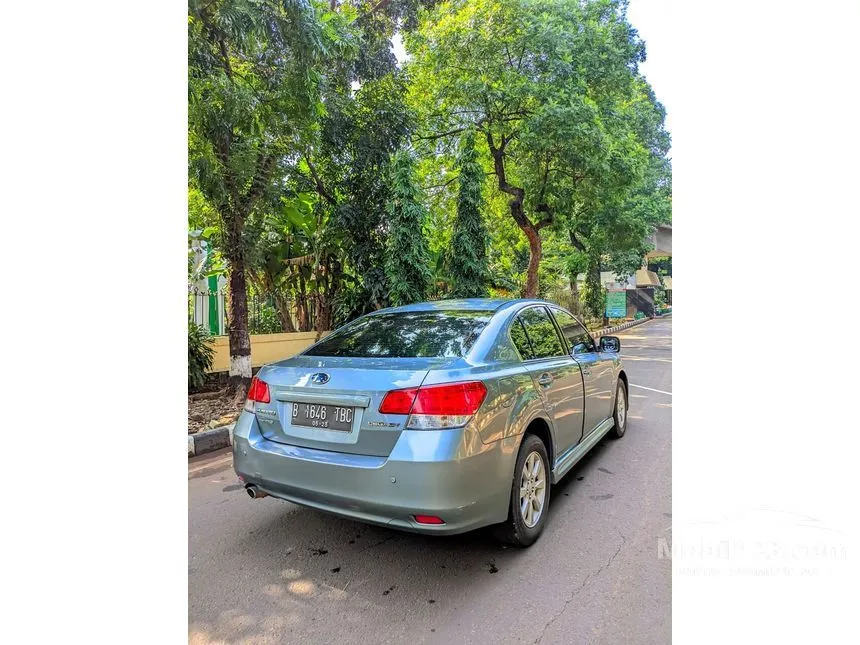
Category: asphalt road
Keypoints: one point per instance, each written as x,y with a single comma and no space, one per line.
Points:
268,571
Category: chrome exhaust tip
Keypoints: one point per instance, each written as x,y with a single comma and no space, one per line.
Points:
254,492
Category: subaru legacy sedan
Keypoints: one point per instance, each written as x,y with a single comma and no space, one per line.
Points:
438,417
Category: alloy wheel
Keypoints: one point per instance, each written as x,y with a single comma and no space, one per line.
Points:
532,489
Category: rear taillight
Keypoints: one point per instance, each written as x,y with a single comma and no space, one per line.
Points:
258,392
434,407
452,398
398,401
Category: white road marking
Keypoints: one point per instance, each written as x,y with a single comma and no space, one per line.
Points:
645,358
650,389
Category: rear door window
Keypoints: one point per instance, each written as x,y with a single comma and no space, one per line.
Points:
541,332
407,334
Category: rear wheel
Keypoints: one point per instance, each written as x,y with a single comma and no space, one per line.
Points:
620,412
529,494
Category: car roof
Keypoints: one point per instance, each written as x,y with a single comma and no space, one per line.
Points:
463,304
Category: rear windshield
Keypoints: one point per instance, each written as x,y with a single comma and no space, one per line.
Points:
417,334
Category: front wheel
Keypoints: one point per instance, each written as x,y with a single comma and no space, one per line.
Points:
529,494
619,415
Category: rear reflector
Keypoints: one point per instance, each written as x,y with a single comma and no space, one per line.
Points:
428,519
259,391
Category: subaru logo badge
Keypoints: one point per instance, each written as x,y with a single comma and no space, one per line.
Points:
320,378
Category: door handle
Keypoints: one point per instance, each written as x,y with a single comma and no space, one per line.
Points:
586,371
545,379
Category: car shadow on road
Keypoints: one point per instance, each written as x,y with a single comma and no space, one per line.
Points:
297,566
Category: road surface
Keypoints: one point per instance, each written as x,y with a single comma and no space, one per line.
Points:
268,571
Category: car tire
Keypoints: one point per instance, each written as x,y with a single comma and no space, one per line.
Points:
522,528
620,413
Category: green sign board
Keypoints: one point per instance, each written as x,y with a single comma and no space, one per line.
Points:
616,304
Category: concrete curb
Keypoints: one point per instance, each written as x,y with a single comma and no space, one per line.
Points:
606,331
209,440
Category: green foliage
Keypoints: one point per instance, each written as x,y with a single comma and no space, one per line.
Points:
200,355
662,265
299,119
347,162
553,87
254,75
594,294
407,261
265,320
360,133
204,258
564,297
468,260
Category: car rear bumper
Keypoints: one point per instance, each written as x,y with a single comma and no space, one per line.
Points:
451,474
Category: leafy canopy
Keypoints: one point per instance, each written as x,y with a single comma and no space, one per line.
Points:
553,87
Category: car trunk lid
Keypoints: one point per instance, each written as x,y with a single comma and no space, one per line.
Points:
340,406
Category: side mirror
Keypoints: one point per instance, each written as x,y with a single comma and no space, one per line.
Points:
610,344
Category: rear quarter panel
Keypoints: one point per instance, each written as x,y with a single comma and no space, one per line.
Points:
511,403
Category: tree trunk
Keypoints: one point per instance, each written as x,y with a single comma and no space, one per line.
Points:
240,342
302,313
535,248
531,230
603,307
574,293
535,252
283,307
598,309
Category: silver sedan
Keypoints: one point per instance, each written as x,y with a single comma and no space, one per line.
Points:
438,417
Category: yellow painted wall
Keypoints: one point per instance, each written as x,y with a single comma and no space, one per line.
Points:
265,348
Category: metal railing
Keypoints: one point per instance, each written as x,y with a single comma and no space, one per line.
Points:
208,309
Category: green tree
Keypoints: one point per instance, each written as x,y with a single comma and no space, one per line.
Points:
548,84
366,121
468,260
612,222
254,74
407,259
595,293
349,166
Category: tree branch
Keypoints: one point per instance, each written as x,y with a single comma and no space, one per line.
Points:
442,185
433,137
261,179
516,192
548,216
225,57
542,193
319,184
579,246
